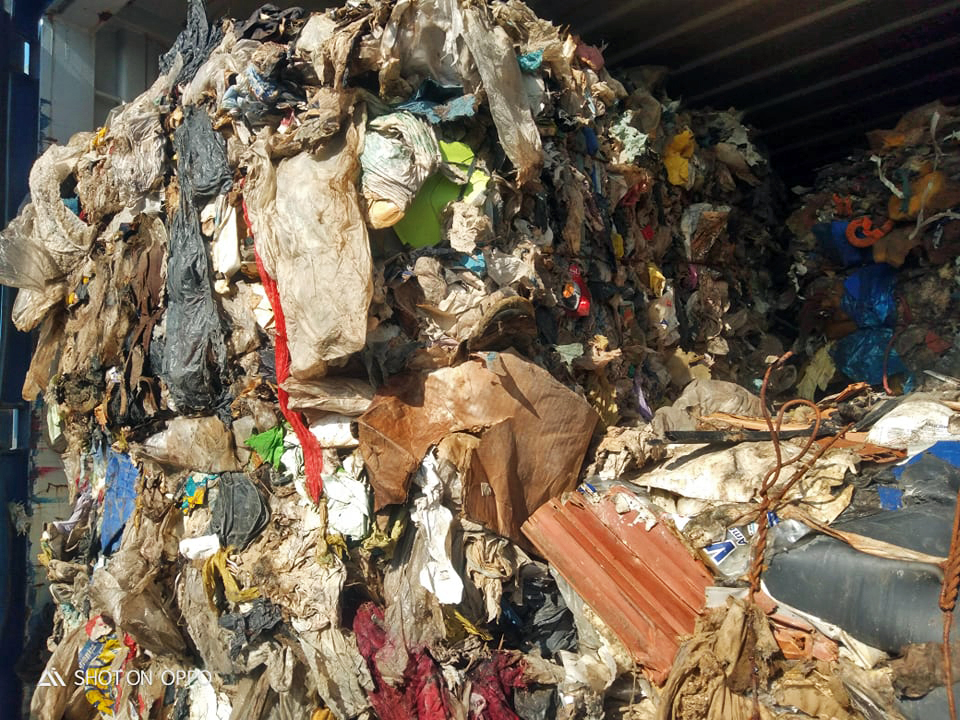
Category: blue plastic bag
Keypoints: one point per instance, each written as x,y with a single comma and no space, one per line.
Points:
868,297
120,497
834,245
859,355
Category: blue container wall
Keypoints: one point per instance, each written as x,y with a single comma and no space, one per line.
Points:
19,122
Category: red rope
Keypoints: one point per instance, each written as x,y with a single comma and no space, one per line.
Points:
312,452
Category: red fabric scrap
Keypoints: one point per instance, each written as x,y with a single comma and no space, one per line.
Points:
422,696
312,452
494,680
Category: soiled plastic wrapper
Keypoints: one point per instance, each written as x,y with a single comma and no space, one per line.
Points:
438,574
915,426
734,474
50,703
199,548
47,241
348,500
137,145
312,239
128,591
703,397
332,430
230,57
496,62
203,444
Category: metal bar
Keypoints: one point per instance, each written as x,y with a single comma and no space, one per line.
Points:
854,101
680,29
870,124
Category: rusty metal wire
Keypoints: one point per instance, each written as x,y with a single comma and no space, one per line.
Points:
948,601
773,476
770,480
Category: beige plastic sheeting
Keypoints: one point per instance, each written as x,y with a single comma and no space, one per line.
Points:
493,53
704,397
203,444
47,241
733,475
312,239
533,434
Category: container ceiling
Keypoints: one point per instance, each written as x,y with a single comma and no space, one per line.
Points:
811,75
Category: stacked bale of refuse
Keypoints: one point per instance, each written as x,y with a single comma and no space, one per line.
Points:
328,312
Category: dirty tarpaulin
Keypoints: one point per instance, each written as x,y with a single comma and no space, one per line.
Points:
533,434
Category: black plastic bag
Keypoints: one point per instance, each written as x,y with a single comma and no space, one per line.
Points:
194,43
195,351
239,513
202,156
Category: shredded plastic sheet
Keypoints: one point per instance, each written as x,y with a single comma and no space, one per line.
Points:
47,241
194,44
497,64
201,444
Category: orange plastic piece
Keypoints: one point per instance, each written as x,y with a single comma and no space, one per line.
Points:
926,191
862,234
842,206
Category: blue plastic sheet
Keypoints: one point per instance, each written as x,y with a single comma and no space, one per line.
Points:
477,264
590,138
440,103
859,355
120,497
946,450
868,297
891,497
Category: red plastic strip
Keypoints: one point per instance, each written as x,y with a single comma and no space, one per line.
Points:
312,452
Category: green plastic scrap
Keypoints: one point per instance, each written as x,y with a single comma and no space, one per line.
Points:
421,226
570,352
268,445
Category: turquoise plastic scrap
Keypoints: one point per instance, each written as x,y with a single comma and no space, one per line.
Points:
530,62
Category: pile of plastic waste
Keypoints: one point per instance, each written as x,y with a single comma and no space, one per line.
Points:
874,247
406,364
